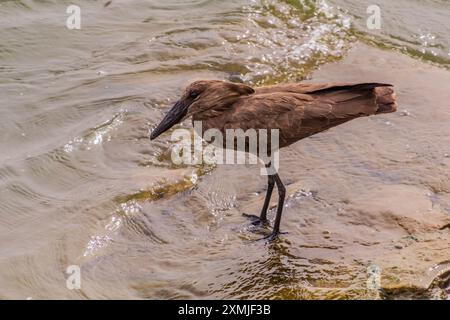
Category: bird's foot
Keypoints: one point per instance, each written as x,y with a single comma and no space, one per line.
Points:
255,220
273,236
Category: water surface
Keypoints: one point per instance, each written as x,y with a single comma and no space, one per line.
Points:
81,184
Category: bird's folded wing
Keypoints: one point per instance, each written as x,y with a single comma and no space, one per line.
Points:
299,115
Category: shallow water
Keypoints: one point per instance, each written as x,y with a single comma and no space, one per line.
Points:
81,184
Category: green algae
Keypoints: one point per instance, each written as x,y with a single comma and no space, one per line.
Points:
386,44
164,188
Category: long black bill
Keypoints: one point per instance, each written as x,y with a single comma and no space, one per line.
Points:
175,115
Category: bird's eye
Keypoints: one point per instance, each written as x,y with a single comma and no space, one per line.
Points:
193,94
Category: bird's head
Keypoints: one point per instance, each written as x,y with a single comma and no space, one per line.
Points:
199,97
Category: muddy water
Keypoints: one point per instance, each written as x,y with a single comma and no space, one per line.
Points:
80,184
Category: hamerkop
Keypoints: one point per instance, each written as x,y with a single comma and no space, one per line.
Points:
298,110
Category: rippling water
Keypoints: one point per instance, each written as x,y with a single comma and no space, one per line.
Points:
81,184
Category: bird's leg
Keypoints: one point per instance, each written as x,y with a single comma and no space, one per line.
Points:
270,185
263,215
281,195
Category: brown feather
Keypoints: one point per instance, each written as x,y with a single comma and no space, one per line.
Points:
299,110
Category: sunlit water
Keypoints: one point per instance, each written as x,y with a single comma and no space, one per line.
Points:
81,184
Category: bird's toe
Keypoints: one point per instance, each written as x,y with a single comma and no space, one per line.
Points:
271,237
274,236
251,216
255,220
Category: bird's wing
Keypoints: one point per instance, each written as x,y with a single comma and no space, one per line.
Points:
299,115
295,87
295,115
315,88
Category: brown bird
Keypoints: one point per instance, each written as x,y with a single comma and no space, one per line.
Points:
298,110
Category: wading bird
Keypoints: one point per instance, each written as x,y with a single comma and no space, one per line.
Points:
298,110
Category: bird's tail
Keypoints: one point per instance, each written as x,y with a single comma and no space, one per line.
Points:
361,98
385,99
